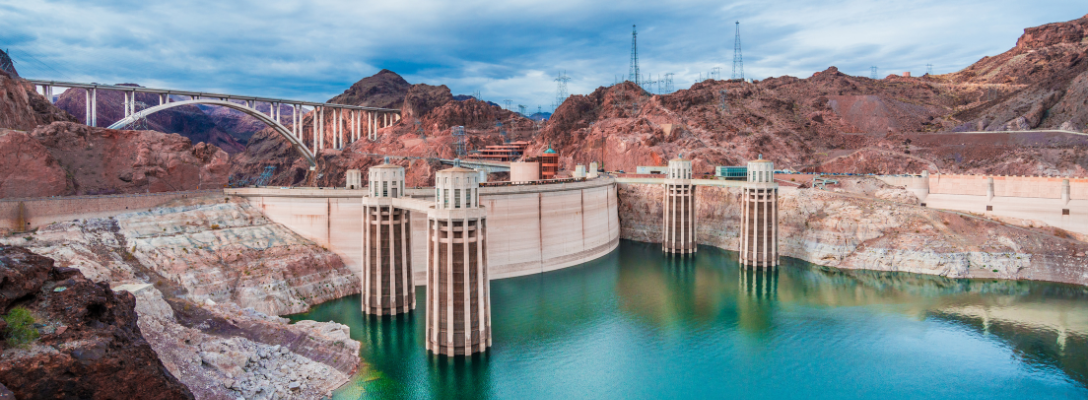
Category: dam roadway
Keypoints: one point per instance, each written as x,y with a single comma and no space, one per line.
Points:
531,228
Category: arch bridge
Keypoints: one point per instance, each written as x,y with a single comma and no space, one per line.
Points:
352,121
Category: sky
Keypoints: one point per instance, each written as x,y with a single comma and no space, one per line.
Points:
507,50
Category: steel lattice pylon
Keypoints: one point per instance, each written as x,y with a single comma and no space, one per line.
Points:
738,60
633,75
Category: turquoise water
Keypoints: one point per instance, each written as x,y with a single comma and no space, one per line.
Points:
639,325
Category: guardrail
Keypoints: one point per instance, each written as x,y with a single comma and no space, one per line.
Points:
109,196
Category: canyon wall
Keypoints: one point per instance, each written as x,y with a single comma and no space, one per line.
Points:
852,232
207,272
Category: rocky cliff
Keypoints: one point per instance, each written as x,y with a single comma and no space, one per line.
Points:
855,232
22,108
67,158
90,346
207,272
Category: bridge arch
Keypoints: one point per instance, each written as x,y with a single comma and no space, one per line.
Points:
279,128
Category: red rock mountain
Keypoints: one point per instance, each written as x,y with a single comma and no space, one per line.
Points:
1042,82
385,89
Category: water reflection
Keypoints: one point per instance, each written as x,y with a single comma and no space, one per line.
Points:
638,323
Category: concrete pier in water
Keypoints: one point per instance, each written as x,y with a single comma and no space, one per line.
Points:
678,233
759,235
458,291
387,263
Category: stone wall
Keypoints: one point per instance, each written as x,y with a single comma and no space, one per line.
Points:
42,211
852,232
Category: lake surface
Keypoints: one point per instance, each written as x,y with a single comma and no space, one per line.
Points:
638,324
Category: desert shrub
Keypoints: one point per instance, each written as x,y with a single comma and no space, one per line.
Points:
20,329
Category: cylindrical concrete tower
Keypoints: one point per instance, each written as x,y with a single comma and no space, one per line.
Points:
759,231
387,242
353,179
678,224
458,291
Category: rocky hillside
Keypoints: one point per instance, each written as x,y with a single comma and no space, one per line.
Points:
875,232
22,108
189,121
207,274
66,158
1042,82
385,89
88,344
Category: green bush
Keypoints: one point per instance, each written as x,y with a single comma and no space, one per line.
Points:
20,327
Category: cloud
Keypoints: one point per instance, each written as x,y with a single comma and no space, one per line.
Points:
507,50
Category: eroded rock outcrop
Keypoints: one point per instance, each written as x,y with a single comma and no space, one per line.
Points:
22,108
854,232
90,345
104,161
207,274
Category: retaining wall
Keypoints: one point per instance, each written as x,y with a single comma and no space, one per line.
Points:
42,211
1031,198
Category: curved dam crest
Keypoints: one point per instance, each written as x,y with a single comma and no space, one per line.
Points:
531,229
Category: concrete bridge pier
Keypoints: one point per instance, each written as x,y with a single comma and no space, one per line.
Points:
759,233
458,291
678,233
387,263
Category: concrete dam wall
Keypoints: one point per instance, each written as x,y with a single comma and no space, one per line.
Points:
1024,197
531,229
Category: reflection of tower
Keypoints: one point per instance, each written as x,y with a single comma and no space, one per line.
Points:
458,292
759,283
759,231
387,267
678,233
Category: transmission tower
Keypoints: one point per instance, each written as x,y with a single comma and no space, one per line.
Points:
929,69
458,133
521,110
561,88
738,61
717,73
508,102
633,75
476,95
7,65
872,72
668,82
